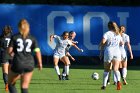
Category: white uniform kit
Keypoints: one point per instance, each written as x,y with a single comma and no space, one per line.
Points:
125,39
112,51
61,44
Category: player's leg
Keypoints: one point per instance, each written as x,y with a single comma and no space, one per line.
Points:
109,76
117,73
25,81
107,69
124,71
120,69
5,69
67,61
12,78
56,67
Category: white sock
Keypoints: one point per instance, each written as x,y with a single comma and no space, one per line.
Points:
117,74
114,77
105,78
57,70
124,72
67,70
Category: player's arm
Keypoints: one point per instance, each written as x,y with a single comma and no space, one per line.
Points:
39,58
51,38
10,51
101,47
81,50
129,49
69,55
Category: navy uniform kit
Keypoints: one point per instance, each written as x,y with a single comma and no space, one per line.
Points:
23,60
4,43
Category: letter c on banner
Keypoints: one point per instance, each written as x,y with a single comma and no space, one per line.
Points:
50,23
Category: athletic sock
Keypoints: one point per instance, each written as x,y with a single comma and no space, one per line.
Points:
24,90
12,88
67,70
124,72
57,70
117,74
5,78
114,77
105,78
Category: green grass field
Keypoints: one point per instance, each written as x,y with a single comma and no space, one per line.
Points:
46,81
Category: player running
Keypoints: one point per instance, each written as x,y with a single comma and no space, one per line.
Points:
123,64
72,35
4,56
21,47
60,51
112,55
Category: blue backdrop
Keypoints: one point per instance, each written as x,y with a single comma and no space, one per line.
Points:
89,22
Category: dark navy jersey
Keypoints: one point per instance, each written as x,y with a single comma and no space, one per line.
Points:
23,48
4,43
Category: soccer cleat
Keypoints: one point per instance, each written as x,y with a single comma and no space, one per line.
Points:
124,82
59,76
119,86
6,87
103,88
67,77
114,83
63,78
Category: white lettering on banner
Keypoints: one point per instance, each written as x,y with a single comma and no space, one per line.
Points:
50,23
86,27
123,18
123,21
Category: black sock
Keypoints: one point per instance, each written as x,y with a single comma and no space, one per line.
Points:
12,88
5,78
120,69
24,90
63,70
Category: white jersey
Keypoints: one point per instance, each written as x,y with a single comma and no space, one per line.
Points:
112,50
125,39
61,45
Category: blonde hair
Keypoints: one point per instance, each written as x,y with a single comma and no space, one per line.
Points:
113,27
116,28
23,26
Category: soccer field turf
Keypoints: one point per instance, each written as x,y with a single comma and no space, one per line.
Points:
46,81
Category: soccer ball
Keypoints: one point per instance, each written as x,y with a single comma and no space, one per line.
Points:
95,76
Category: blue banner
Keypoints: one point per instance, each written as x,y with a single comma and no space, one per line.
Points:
89,22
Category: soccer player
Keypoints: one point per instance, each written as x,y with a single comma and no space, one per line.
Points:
123,64
21,47
112,55
4,56
60,51
72,35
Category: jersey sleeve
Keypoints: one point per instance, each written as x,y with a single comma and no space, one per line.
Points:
105,36
127,39
69,42
35,44
56,36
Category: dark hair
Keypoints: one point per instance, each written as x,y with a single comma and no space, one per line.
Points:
7,27
121,26
65,33
71,32
110,25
